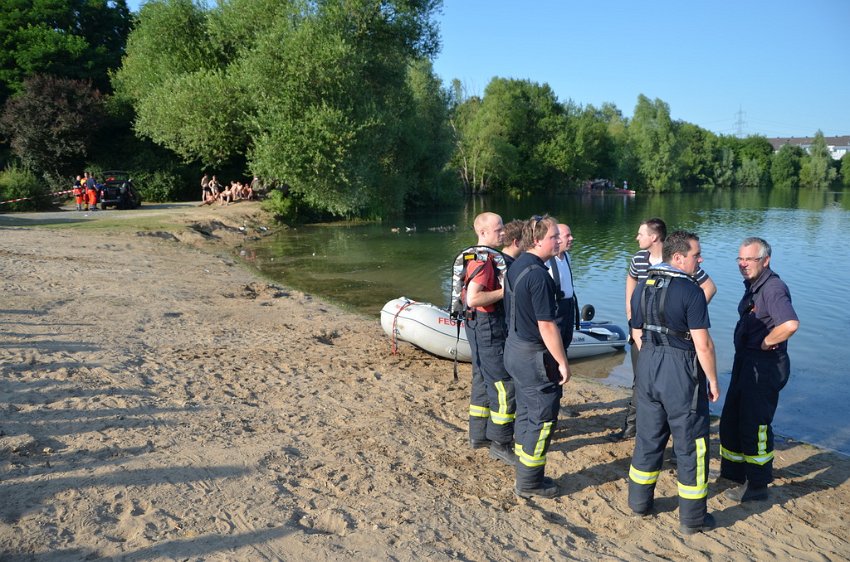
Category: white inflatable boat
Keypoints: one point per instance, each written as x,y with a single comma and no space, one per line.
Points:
432,329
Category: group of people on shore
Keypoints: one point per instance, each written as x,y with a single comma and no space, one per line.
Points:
85,191
213,191
520,312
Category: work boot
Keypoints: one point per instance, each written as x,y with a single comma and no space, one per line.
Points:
747,493
546,489
479,443
503,452
627,432
707,524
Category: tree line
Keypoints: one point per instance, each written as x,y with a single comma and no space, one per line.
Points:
336,99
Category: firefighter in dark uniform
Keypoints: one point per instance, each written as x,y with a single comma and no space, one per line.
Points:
670,315
759,371
492,403
534,355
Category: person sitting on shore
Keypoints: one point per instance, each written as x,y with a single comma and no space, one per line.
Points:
225,196
235,190
209,197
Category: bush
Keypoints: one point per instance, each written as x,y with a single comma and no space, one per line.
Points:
17,182
281,206
158,186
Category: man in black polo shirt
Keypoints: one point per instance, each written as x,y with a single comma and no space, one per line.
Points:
759,371
670,322
534,355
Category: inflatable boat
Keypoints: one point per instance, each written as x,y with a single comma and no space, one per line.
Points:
431,328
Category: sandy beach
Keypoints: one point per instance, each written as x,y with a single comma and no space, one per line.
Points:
159,401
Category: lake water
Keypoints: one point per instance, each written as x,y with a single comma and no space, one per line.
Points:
363,266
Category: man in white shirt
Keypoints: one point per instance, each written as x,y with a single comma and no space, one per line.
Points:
561,270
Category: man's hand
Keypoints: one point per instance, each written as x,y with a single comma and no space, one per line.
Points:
713,390
566,374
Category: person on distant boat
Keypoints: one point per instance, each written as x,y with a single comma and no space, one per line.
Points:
534,355
561,271
676,378
512,241
761,369
492,404
650,238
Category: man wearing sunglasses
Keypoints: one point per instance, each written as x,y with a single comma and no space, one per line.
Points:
534,355
759,371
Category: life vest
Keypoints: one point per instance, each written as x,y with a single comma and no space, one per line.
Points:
652,303
460,280
457,307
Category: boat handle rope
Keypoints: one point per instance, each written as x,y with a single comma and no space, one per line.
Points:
395,323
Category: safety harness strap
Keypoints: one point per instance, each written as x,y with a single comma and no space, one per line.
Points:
510,291
654,316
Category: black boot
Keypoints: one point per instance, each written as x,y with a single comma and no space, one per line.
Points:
503,452
546,489
629,428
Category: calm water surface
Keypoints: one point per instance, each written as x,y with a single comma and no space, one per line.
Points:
363,266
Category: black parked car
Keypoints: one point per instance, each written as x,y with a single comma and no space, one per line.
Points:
118,190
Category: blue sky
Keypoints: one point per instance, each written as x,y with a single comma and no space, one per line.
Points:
775,68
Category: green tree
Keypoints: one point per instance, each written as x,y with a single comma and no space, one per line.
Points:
51,124
817,171
312,93
483,157
173,76
652,135
758,151
469,154
78,39
724,168
623,154
845,170
514,139
785,166
749,174
697,157
428,138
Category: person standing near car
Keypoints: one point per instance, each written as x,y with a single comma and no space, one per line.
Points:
78,191
91,191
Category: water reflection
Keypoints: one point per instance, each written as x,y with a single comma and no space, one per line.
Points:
364,266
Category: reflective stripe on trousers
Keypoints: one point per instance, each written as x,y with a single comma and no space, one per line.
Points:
505,414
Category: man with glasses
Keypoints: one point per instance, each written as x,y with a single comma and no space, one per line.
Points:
759,371
534,355
670,322
560,267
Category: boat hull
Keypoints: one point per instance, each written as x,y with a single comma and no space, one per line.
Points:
430,327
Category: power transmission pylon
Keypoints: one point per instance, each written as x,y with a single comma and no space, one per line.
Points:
739,122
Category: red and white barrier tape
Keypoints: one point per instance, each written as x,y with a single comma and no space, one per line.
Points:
28,198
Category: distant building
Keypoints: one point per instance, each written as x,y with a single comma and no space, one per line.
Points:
837,146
